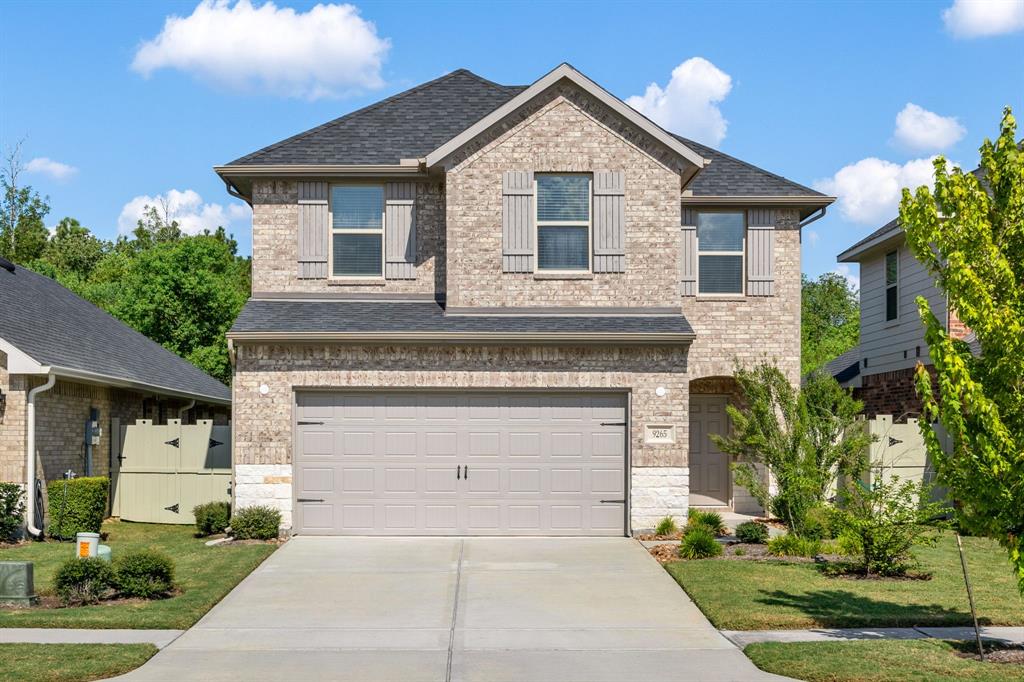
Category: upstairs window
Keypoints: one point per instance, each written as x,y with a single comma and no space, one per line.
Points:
720,239
563,222
892,279
357,231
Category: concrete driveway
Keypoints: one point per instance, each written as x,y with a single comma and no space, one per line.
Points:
450,609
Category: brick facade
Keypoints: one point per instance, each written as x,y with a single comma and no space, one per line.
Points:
892,393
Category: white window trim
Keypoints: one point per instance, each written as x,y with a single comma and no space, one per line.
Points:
742,252
895,285
564,223
332,231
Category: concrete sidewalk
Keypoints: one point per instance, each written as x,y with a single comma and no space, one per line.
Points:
1005,635
159,638
448,609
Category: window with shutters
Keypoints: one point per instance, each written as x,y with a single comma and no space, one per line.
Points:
720,250
357,231
892,285
563,222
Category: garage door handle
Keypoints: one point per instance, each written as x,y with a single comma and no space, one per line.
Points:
301,423
310,499
613,423
613,502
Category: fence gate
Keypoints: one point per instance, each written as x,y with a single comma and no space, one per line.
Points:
160,472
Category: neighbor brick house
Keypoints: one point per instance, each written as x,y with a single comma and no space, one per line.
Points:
86,369
881,368
488,309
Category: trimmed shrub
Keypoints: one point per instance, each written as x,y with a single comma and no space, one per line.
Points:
84,581
794,545
699,543
12,511
211,518
81,510
256,523
145,573
752,532
709,519
667,526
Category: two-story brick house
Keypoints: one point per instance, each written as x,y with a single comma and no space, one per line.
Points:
487,309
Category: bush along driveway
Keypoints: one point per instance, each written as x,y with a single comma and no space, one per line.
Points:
767,595
203,575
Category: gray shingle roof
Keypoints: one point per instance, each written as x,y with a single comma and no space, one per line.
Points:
846,366
55,327
383,317
891,226
413,123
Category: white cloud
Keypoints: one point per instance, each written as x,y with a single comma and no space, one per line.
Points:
329,51
54,169
980,18
688,105
846,271
925,131
869,190
186,207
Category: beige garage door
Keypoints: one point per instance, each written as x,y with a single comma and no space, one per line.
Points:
466,463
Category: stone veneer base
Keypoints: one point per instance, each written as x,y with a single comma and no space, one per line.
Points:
265,484
657,492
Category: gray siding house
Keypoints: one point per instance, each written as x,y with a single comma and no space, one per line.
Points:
482,309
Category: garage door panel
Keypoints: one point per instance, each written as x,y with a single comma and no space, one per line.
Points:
388,463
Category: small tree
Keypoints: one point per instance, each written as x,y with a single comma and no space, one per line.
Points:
969,233
806,437
829,319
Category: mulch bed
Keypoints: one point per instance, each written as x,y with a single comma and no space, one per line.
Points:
51,601
1011,654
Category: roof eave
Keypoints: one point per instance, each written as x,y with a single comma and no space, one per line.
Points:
442,153
855,254
307,170
667,338
807,204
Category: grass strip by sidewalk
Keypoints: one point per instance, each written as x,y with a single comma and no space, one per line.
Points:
760,595
205,575
70,662
921,660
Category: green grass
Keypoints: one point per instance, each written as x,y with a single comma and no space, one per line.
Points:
70,662
204,574
758,595
877,661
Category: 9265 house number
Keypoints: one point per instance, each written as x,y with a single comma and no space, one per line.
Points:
659,433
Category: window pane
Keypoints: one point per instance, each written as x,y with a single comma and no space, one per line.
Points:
720,231
358,207
892,267
563,248
357,255
563,197
721,275
892,301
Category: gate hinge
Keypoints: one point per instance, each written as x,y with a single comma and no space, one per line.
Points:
173,442
172,508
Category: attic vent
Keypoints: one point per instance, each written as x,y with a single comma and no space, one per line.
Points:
6,265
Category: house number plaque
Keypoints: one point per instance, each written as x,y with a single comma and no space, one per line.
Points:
659,433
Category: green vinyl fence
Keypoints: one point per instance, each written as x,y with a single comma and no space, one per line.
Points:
160,472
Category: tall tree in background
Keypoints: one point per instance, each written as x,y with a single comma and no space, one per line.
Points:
23,234
830,319
969,233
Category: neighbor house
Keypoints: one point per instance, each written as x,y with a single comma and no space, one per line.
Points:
497,310
881,367
81,369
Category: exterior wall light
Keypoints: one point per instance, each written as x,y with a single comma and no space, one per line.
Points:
660,391
264,389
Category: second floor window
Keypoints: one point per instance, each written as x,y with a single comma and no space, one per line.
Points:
357,231
720,238
563,222
892,279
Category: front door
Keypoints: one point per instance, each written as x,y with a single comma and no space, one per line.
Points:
709,467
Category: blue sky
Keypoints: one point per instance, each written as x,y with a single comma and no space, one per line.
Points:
818,92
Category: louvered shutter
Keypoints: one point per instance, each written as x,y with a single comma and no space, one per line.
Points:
314,229
517,221
688,254
609,221
760,252
400,230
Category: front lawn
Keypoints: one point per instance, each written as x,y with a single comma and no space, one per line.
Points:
922,660
759,595
204,574
70,662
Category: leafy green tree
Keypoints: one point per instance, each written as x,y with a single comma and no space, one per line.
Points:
23,234
969,233
74,249
804,436
830,319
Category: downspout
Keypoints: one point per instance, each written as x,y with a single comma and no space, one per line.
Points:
30,456
817,215
182,411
